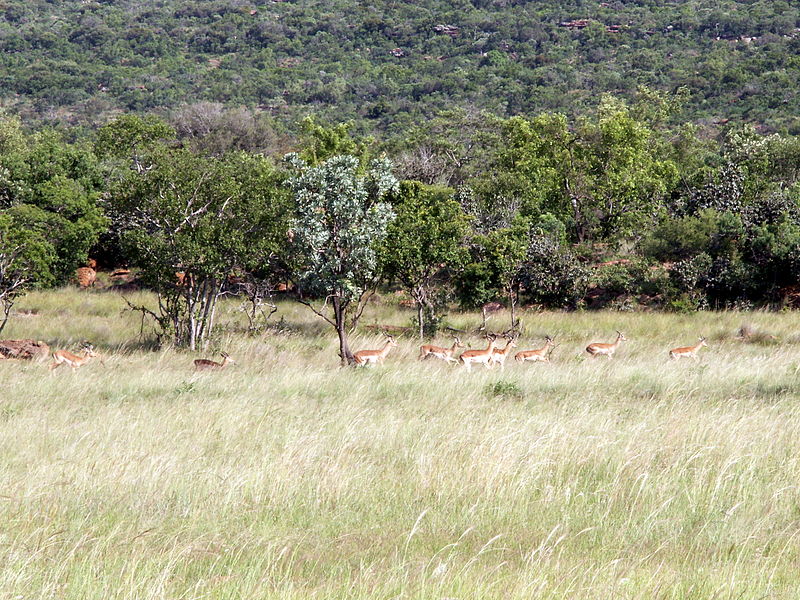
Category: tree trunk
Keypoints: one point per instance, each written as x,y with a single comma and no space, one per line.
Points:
419,297
345,356
7,304
512,297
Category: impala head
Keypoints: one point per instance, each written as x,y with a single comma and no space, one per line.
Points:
458,342
227,358
390,341
703,341
622,337
88,349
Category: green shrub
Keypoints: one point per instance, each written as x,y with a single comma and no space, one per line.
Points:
633,278
551,273
505,390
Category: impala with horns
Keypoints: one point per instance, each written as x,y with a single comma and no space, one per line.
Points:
608,350
373,357
499,355
204,364
688,351
470,357
445,354
62,357
539,355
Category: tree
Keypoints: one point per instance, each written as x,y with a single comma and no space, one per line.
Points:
425,239
321,142
131,137
494,268
341,218
603,177
49,197
25,258
190,222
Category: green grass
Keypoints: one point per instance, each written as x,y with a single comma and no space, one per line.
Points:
287,477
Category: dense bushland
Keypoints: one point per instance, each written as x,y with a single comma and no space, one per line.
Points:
617,208
391,65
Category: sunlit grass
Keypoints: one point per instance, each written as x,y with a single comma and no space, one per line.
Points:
285,476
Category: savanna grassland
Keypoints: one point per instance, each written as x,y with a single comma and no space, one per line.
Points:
285,476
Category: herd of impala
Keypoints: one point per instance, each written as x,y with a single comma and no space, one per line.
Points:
492,355
488,357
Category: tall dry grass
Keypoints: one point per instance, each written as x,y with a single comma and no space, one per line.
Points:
287,477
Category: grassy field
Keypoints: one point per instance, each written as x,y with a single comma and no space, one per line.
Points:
287,477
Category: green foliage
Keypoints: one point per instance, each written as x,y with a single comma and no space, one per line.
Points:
397,64
51,189
26,259
632,277
504,390
675,239
493,268
320,142
201,217
341,219
129,136
422,242
551,274
604,176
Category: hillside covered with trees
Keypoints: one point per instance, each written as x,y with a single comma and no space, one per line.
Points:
624,155
389,65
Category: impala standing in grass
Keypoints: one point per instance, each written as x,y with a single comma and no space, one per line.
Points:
538,355
499,355
597,349
688,351
203,364
372,357
484,357
445,354
62,357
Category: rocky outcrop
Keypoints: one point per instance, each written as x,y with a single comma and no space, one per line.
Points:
24,349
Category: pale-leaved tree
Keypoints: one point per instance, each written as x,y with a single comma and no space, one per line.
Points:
341,218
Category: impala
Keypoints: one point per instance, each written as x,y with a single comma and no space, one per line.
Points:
540,354
499,356
607,349
371,357
62,357
203,364
479,356
688,351
445,354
